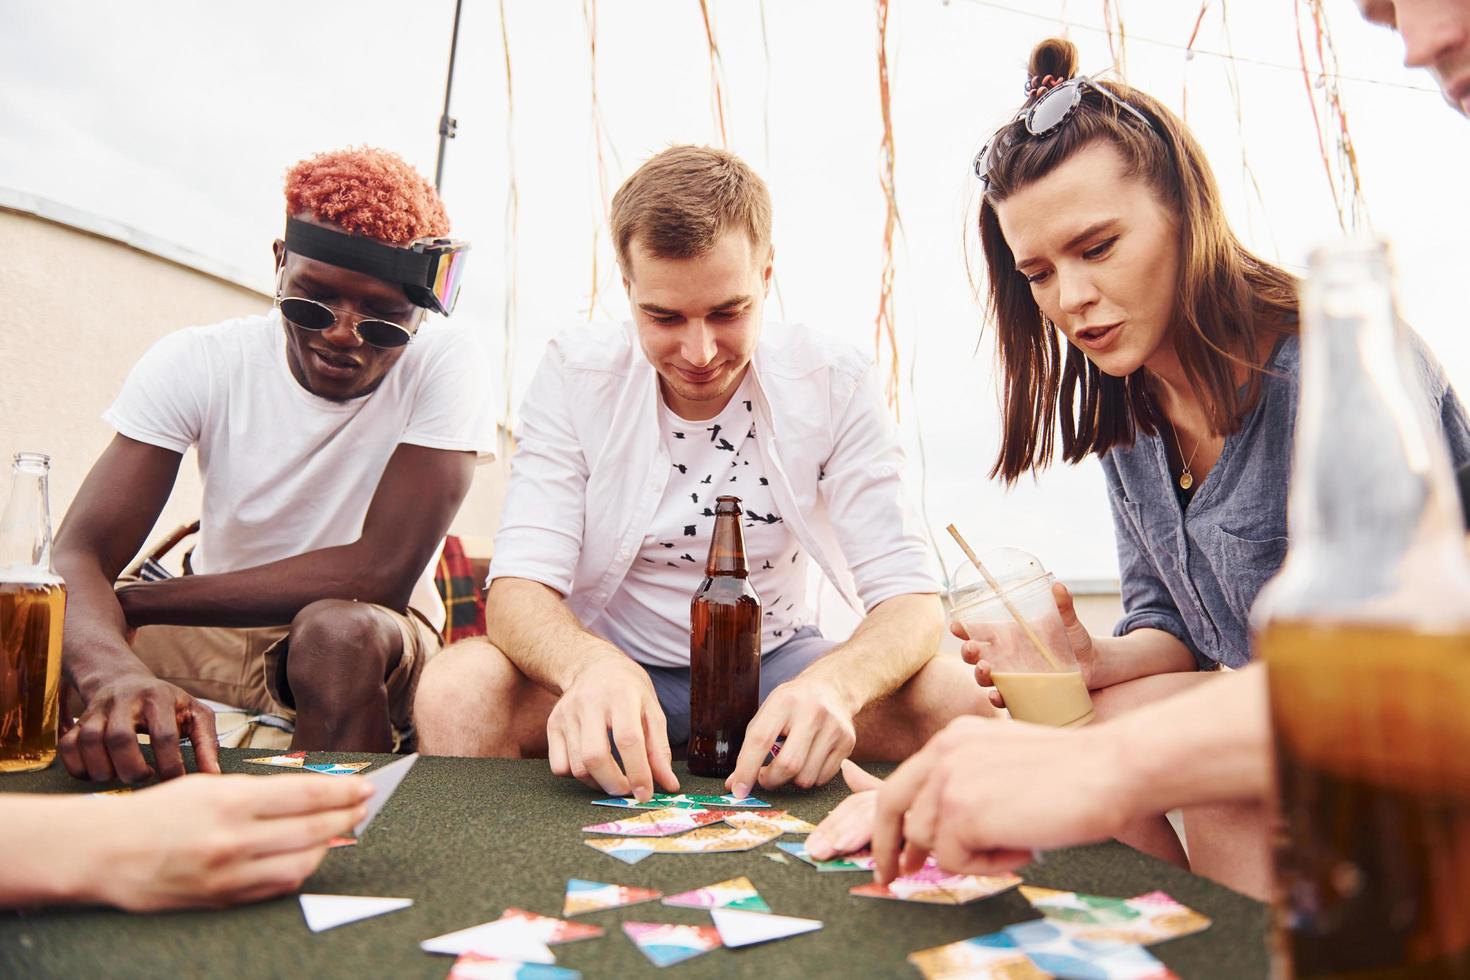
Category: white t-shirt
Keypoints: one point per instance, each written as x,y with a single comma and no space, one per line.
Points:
285,471
648,617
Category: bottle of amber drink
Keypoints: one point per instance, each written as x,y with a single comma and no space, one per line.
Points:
32,602
1366,636
724,650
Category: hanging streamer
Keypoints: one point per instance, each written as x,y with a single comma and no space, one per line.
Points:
1344,180
599,141
717,72
512,218
885,324
1112,11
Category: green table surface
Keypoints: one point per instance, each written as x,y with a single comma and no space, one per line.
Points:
467,838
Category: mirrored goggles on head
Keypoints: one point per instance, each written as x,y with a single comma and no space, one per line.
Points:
429,270
308,314
1044,116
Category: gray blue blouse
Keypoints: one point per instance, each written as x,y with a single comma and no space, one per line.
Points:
1194,572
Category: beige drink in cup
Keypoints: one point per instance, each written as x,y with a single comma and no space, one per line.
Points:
1032,664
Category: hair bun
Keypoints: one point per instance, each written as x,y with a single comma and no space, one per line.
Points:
1054,56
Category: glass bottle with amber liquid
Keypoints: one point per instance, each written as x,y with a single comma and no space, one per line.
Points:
1365,633
32,604
724,650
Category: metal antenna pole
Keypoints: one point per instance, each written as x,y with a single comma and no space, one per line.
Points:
447,123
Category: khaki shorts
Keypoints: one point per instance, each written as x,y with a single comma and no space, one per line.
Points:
246,668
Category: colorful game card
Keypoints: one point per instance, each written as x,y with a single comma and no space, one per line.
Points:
666,944
477,966
592,896
1057,948
736,893
297,760
856,861
703,840
1145,920
341,842
992,957
931,885
657,823
686,800
738,928
553,932
789,823
324,912
503,939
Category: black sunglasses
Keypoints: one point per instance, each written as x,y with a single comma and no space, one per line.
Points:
1046,114
308,314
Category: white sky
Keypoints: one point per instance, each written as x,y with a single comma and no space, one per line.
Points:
180,118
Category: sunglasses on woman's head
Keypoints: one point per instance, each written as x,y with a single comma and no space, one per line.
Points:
308,314
1044,116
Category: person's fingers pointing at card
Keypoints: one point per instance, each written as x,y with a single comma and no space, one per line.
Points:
817,720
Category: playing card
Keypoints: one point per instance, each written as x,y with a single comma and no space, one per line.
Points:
592,896
657,823
856,861
477,966
789,823
1057,948
666,944
661,800
992,957
553,932
739,928
297,760
329,911
385,781
736,893
713,839
1145,920
931,885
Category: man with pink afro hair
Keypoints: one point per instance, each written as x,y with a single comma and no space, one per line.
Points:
337,433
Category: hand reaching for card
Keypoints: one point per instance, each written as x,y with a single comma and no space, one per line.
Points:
611,694
819,733
849,827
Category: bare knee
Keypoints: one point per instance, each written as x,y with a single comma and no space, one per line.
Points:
896,727
340,653
472,700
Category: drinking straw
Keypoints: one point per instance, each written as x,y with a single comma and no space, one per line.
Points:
1015,613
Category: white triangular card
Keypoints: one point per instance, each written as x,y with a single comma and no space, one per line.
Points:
330,911
504,939
384,781
740,928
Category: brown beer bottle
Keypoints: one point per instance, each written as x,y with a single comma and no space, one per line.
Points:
1365,633
32,603
724,650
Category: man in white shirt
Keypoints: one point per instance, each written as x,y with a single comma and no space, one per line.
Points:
337,434
627,436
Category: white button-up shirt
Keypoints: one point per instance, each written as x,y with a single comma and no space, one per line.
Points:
590,468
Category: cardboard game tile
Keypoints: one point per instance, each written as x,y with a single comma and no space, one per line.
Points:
713,839
789,823
477,966
739,928
936,887
856,861
297,760
657,823
503,939
992,957
384,782
593,896
1145,920
736,893
329,911
686,800
665,943
1060,949
553,932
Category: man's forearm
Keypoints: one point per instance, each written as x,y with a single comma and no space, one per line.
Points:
897,638
1141,653
95,647
1210,744
532,625
271,594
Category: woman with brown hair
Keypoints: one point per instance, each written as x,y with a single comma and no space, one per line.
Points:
1130,318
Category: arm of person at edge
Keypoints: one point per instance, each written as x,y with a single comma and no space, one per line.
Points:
598,687
862,487
193,842
117,505
984,794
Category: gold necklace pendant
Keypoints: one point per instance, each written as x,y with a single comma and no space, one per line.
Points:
1185,480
